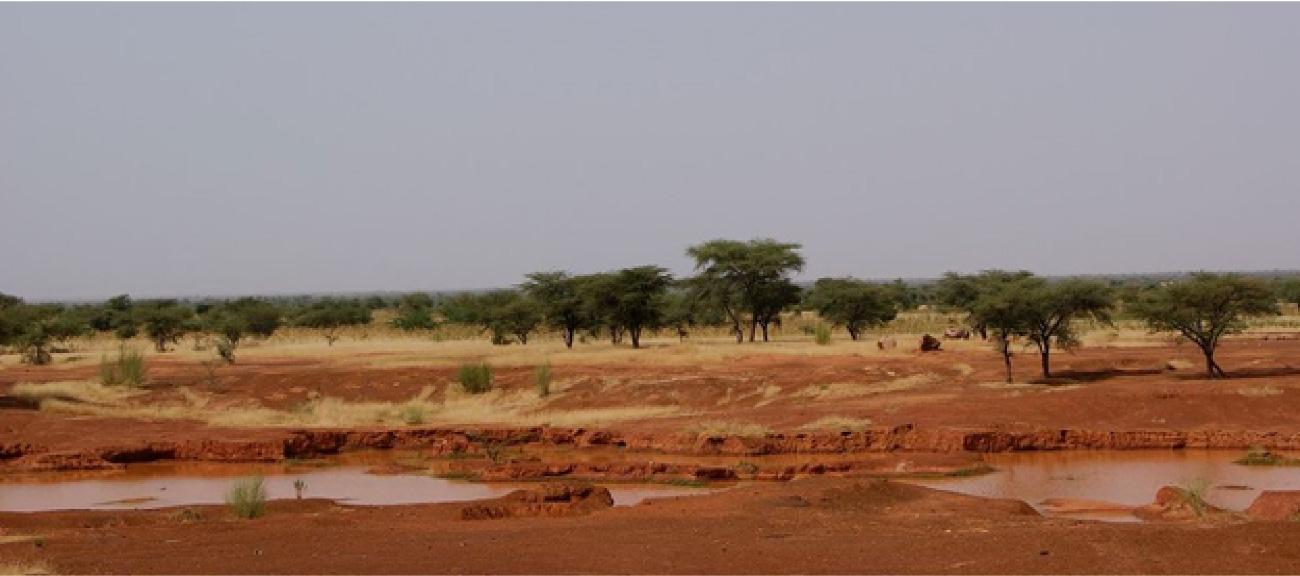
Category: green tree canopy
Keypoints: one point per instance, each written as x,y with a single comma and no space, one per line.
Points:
852,303
329,315
164,321
1203,308
561,304
746,280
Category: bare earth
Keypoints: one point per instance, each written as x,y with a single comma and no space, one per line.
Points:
931,409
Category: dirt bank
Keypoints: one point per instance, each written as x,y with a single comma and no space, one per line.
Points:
806,526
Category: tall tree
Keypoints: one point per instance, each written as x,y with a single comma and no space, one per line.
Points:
1204,308
640,299
561,304
741,278
165,321
1006,307
1057,305
852,303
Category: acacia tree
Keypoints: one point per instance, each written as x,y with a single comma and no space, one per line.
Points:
414,312
599,297
561,303
640,299
503,313
852,303
1203,308
960,292
31,328
1005,306
329,316
744,279
1057,305
165,321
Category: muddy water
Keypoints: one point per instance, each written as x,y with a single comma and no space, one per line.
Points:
164,485
1126,478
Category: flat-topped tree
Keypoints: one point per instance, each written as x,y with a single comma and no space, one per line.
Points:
561,304
1007,305
640,299
165,321
746,279
852,303
1057,306
1203,308
330,315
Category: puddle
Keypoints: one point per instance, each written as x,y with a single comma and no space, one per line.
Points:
164,485
1063,483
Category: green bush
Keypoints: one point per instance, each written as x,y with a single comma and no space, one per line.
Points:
542,378
475,378
247,498
822,334
127,369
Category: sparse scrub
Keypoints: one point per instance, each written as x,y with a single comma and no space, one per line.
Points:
247,498
127,369
1258,456
475,378
542,379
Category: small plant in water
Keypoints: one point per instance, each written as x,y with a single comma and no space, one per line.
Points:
299,486
1258,456
247,497
475,378
1194,495
542,379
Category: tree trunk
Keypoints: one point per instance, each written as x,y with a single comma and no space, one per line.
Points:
568,337
1212,368
853,332
1006,358
1044,352
765,331
740,333
753,327
635,333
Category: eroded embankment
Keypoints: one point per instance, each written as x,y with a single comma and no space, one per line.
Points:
474,440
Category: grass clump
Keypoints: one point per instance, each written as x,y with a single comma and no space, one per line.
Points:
542,379
475,378
247,497
412,413
822,334
127,369
1194,495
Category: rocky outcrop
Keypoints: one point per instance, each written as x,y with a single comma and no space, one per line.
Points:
1275,506
1174,504
550,499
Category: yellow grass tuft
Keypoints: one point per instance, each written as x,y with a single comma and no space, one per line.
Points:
25,568
73,391
728,428
837,424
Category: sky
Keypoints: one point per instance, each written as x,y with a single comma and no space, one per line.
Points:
225,149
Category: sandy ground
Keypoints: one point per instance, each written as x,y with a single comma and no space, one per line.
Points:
804,526
818,525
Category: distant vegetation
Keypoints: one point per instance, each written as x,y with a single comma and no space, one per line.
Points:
743,287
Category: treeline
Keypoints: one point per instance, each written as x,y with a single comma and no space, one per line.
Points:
744,286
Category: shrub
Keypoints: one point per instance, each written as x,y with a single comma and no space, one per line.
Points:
475,378
226,349
822,334
247,498
128,368
542,378
412,414
1194,495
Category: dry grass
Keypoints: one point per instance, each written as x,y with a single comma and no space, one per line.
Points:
728,428
841,390
1259,391
77,391
25,568
518,407
837,424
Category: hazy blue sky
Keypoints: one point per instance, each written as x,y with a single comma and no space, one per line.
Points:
225,149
